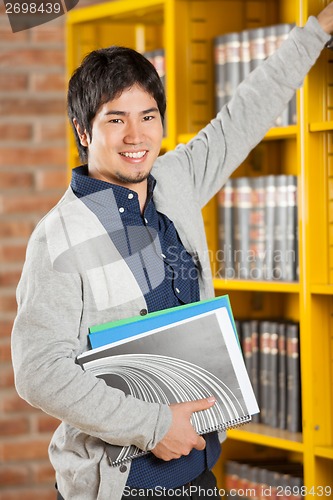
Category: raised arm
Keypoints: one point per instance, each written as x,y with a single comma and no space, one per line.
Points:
209,159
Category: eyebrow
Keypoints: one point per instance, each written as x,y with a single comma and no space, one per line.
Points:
125,113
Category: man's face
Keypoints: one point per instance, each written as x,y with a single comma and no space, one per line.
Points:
126,138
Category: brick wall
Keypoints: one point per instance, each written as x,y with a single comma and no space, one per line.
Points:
33,176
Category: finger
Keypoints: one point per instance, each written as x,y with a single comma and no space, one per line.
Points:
200,444
201,404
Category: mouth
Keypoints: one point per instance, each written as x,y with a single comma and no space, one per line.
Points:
136,155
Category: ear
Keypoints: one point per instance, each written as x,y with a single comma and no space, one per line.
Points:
83,135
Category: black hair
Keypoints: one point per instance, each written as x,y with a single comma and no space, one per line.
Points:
102,76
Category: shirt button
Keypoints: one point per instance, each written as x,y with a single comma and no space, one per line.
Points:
146,221
143,312
123,468
177,290
130,196
164,256
121,210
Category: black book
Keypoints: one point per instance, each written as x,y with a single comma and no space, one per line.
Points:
226,230
242,210
280,229
255,363
270,214
294,421
264,363
232,64
257,228
220,74
291,230
257,47
282,409
273,380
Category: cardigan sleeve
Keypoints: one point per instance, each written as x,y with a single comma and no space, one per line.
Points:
217,150
45,342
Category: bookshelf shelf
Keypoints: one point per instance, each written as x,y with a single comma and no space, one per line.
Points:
128,9
266,436
324,452
281,132
186,29
258,286
322,289
321,126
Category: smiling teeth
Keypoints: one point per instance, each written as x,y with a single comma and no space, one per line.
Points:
138,154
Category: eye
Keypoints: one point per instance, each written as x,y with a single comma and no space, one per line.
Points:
148,118
115,120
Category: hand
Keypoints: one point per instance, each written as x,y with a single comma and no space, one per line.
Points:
181,437
325,18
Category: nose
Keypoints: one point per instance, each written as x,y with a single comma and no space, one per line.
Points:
133,133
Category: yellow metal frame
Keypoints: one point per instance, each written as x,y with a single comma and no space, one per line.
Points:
186,28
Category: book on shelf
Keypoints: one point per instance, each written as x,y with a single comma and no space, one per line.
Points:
241,226
245,55
232,66
291,265
273,365
181,354
289,115
280,254
257,228
226,226
270,217
282,374
270,478
254,374
236,54
257,47
264,367
219,63
258,231
294,417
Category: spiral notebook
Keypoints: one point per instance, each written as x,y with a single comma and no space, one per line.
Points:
178,357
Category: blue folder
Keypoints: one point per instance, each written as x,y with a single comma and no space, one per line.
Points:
102,335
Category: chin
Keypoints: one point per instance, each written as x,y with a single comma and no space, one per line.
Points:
136,179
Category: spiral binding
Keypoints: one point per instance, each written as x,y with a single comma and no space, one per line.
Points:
233,424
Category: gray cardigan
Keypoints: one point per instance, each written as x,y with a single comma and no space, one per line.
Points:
74,277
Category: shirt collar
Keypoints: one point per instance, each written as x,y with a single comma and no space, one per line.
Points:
83,185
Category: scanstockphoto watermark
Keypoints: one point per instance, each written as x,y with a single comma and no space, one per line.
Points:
24,15
181,492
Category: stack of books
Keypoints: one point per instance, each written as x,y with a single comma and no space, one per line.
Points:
271,351
237,54
264,479
258,236
180,354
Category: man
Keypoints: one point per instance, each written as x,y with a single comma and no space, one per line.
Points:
127,238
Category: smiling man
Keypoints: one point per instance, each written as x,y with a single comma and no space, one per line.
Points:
125,140
128,238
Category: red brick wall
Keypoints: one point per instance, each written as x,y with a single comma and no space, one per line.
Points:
32,178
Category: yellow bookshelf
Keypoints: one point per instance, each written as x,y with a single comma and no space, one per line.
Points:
185,29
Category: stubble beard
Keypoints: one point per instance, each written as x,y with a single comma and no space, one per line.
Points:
135,179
